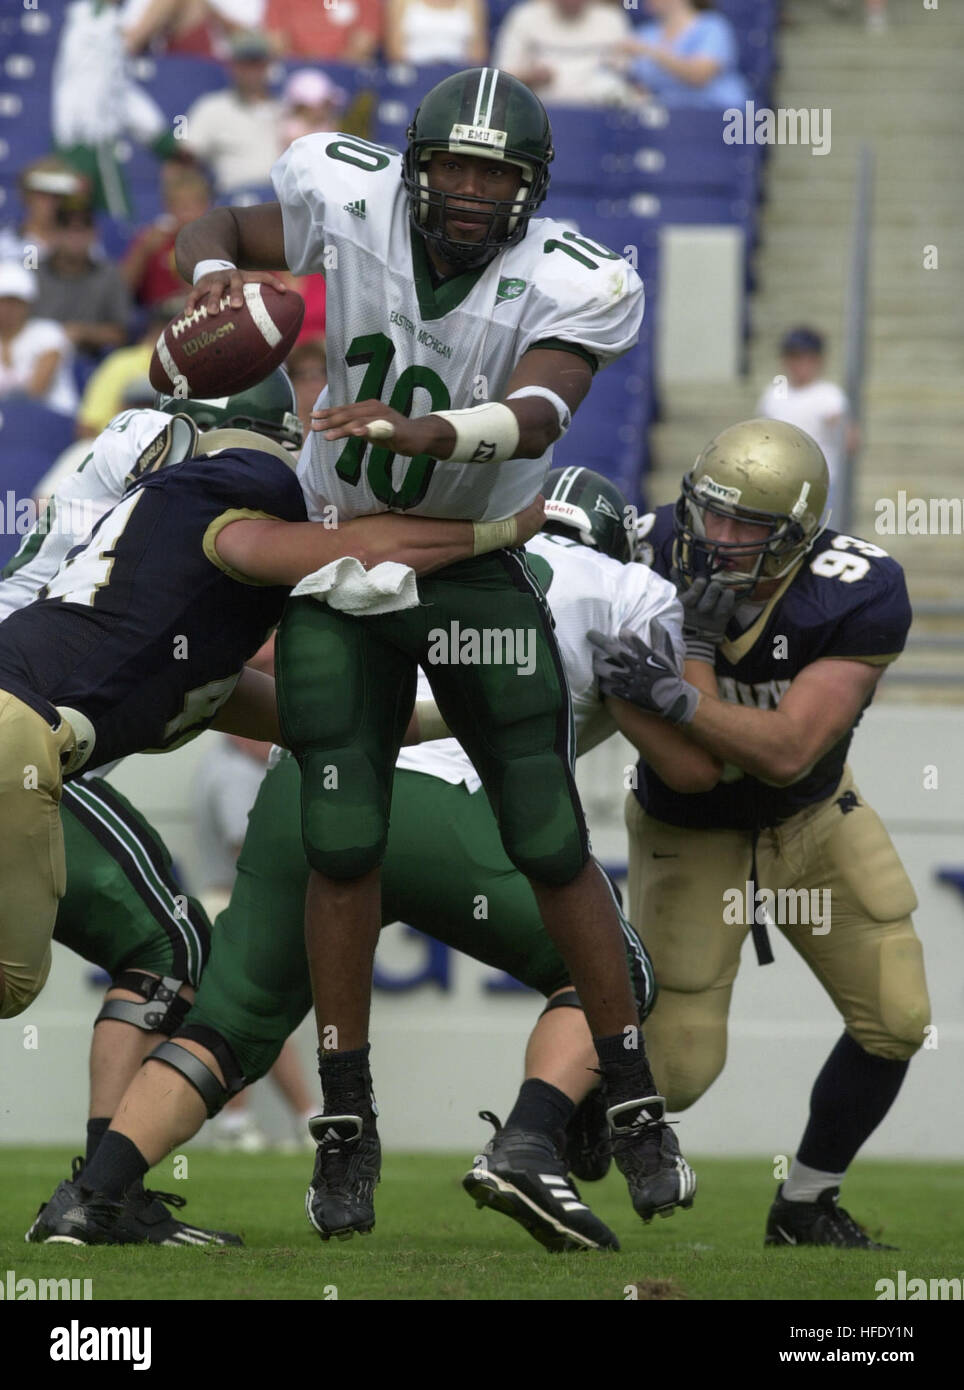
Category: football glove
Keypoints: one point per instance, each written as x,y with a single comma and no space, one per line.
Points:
647,677
707,609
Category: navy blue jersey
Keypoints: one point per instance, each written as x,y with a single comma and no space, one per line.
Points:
847,600
142,630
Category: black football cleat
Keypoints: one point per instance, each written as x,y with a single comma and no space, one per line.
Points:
144,1218
78,1215
648,1156
340,1200
587,1150
821,1222
523,1176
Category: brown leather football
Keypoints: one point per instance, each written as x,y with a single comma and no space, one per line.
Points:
203,355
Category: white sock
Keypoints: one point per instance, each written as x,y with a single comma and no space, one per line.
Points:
806,1184
233,1120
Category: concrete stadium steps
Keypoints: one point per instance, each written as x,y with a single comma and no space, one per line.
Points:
899,91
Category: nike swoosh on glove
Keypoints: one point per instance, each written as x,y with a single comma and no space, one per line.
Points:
645,676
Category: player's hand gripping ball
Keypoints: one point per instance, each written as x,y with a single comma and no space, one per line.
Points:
204,355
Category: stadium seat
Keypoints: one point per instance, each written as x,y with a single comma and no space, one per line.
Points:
31,437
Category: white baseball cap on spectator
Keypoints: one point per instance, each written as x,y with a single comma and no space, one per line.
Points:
17,283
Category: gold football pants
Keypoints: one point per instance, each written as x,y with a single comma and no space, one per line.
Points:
684,887
32,871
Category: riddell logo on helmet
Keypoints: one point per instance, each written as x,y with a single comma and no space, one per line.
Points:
730,496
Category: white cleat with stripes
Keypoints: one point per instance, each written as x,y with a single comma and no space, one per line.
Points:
522,1175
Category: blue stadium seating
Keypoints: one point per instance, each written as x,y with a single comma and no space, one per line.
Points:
31,438
618,177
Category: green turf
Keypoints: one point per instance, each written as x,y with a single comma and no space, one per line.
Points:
431,1242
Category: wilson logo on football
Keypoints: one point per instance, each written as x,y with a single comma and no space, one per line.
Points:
205,339
204,354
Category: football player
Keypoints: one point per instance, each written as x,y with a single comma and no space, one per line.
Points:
789,628
443,851
462,332
138,642
123,909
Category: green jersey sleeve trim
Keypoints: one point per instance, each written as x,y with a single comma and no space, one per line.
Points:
560,345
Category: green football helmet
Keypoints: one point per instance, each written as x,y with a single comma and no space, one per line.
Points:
269,408
761,471
585,504
482,112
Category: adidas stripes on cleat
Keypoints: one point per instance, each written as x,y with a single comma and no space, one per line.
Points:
77,1215
822,1222
648,1156
522,1175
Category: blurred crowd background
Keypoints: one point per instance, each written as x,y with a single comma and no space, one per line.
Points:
121,120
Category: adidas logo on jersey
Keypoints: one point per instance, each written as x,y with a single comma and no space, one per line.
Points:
356,209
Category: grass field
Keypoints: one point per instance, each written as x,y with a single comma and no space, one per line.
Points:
431,1242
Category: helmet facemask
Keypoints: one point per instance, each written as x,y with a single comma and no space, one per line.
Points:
696,555
508,218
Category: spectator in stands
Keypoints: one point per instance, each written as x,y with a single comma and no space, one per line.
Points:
347,31
35,353
235,132
307,365
87,296
169,26
148,268
94,101
107,390
310,101
436,31
802,396
42,185
687,57
565,50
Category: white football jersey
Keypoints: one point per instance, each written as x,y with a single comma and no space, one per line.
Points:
586,590
392,336
135,442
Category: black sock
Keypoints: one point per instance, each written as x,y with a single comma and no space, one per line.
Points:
96,1129
541,1108
117,1165
346,1082
625,1067
850,1097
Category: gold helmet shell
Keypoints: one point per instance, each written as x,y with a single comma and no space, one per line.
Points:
765,472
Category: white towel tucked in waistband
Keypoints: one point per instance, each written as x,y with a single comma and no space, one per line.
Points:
346,585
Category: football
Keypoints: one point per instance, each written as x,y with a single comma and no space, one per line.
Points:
202,355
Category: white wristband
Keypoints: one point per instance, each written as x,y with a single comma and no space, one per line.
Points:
483,434
563,412
205,268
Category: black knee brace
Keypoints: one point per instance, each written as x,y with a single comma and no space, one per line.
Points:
568,999
198,1073
163,1009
